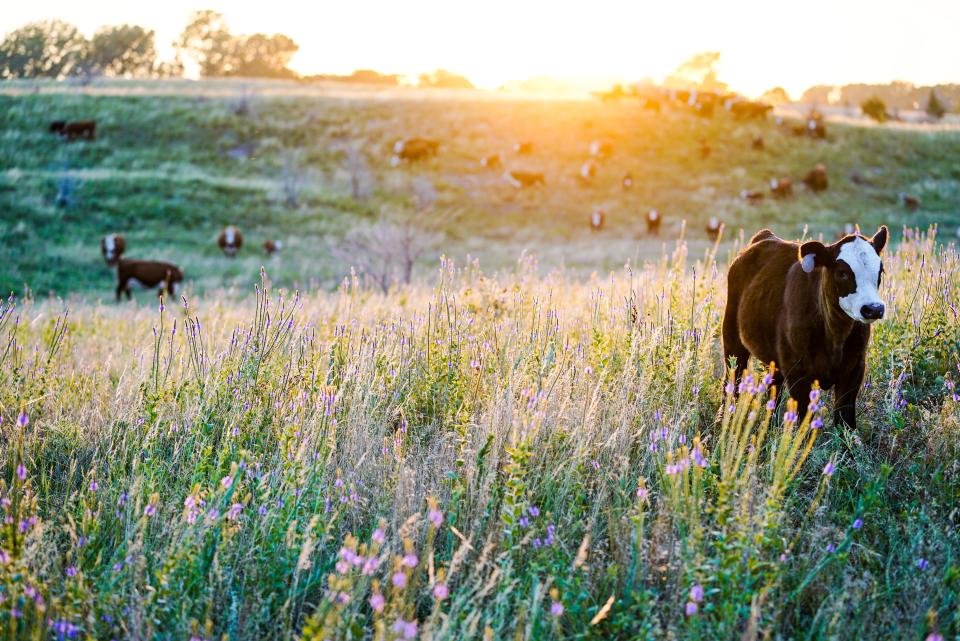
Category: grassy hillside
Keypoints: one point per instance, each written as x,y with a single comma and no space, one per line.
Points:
510,457
170,170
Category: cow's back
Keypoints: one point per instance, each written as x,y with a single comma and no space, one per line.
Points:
755,285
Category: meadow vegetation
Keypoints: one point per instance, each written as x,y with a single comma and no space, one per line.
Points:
525,455
175,161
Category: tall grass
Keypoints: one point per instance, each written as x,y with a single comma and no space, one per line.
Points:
499,456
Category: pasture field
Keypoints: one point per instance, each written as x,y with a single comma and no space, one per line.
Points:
542,448
519,456
176,161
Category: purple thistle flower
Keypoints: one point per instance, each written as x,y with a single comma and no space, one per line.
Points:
407,629
379,536
21,472
150,510
857,524
533,511
399,580
23,420
441,591
72,571
934,636
94,486
690,609
377,602
556,609
410,560
816,423
226,481
771,405
829,469
831,548
435,517
696,593
234,511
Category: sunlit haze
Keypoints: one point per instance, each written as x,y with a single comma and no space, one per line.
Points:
497,41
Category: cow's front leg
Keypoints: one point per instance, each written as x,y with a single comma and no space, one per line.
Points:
845,402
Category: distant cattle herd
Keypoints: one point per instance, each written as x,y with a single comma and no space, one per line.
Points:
163,275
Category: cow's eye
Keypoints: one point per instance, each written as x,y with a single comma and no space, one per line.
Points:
842,276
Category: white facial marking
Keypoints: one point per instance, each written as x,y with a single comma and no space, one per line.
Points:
714,223
774,183
597,216
654,214
865,263
231,235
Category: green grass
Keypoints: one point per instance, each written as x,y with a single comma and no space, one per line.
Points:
306,423
161,173
554,446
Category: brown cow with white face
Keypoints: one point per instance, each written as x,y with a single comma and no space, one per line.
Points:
271,247
807,308
112,247
521,179
714,227
816,179
597,219
230,240
781,187
147,274
653,222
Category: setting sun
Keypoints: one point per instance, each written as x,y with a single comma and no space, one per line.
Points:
496,42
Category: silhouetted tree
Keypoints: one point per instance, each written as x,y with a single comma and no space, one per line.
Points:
49,49
776,96
445,79
875,108
935,107
207,40
697,72
123,51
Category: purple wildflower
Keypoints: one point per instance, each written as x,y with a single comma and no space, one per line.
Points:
441,591
556,609
399,580
691,608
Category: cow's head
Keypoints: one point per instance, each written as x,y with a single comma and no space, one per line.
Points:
57,126
852,270
112,246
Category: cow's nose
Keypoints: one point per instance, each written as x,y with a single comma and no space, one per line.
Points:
873,311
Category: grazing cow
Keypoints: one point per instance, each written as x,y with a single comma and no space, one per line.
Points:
627,181
588,171
758,143
230,240
910,202
704,149
271,247
714,227
112,247
652,104
493,161
816,128
523,147
86,129
411,149
848,229
521,179
600,149
704,109
745,110
807,308
597,219
781,187
752,196
816,178
653,222
146,274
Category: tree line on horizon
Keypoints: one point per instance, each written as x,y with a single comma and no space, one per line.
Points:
58,50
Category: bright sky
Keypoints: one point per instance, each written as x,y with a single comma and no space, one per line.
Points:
495,41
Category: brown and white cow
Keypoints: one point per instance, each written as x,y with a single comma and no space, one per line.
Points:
588,171
521,179
493,161
781,187
704,149
714,227
86,129
271,247
230,240
627,181
112,247
412,149
808,309
601,149
752,196
816,178
147,274
910,202
758,143
597,219
523,147
653,221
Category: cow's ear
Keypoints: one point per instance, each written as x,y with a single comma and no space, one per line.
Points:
879,240
814,254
